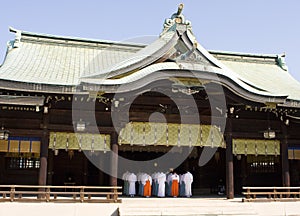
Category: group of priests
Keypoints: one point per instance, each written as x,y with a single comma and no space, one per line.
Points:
158,184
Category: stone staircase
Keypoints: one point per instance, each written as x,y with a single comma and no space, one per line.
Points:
180,206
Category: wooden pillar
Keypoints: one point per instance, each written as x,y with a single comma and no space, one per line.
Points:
114,160
50,167
101,174
43,159
285,158
44,151
85,170
2,170
229,160
243,170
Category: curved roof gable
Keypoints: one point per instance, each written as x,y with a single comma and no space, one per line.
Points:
178,45
40,62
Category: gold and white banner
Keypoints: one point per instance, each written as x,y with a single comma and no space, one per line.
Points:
79,141
255,147
170,134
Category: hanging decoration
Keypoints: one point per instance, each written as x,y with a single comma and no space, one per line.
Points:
171,134
79,141
255,147
21,147
294,153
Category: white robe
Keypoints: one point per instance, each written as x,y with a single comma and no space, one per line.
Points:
175,177
161,179
132,180
188,180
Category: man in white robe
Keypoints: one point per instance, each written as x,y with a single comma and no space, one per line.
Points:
161,179
188,180
132,178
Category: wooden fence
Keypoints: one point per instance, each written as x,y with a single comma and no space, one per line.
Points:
271,193
33,193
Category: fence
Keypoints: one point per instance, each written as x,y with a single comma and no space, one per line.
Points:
33,193
271,193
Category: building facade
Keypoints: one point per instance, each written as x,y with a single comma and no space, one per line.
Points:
82,112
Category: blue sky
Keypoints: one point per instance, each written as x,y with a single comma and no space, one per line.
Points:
256,26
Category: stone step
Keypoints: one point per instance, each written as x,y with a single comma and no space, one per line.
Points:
181,206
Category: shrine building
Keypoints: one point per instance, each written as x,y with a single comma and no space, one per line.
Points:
81,112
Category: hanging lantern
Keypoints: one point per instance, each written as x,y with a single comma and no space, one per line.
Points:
4,134
80,126
269,134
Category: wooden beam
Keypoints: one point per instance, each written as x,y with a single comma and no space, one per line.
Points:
26,132
16,123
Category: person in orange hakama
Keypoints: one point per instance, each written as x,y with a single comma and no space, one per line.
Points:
147,181
175,185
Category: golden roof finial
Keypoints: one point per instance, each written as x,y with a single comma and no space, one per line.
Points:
180,8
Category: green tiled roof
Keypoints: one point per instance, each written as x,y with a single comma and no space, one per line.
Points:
261,71
43,59
268,77
66,61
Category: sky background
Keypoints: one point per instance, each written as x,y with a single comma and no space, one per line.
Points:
256,26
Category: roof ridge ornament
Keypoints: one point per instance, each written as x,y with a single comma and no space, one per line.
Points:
176,20
17,41
281,61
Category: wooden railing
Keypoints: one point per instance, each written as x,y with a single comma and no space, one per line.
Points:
31,193
271,193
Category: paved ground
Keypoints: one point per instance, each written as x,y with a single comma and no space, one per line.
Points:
205,206
154,206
